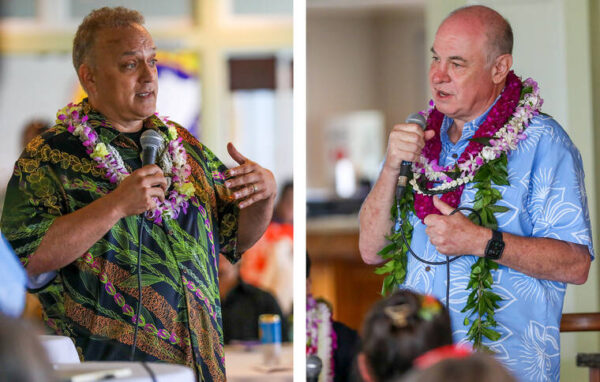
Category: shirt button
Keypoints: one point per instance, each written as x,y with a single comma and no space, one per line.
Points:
454,155
427,268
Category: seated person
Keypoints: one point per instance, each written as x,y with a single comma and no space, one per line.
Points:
397,330
449,367
242,304
269,264
332,341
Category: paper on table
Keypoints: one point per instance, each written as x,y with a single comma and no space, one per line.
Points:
91,375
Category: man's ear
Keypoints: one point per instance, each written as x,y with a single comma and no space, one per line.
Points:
87,78
501,67
363,367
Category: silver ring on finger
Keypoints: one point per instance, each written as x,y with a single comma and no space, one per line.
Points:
254,189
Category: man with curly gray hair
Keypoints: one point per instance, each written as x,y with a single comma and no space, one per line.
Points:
123,254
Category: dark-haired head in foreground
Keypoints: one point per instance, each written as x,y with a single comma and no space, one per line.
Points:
397,330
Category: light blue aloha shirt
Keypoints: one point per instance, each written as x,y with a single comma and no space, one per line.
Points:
546,199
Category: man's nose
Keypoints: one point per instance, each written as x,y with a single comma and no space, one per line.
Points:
148,73
439,73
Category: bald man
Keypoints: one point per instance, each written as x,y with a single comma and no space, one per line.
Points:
536,226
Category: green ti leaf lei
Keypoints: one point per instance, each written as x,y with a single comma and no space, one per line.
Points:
482,301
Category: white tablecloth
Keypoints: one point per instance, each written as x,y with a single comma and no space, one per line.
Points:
163,372
60,349
244,366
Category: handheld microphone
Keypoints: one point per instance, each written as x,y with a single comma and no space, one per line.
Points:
405,168
313,368
150,141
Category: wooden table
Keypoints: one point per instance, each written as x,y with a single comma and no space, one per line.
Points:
244,365
591,360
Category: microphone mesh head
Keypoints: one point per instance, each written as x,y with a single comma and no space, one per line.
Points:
151,138
313,366
418,119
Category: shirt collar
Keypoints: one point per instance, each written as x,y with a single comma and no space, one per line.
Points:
469,128
107,132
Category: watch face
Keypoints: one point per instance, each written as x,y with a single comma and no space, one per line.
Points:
494,249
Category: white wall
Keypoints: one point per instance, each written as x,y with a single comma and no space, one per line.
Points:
357,60
31,86
340,62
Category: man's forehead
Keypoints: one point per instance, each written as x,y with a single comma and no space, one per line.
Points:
123,39
455,40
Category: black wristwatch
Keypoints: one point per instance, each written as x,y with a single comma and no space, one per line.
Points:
495,246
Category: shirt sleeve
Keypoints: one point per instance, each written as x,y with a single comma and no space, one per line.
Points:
557,201
34,199
12,274
225,210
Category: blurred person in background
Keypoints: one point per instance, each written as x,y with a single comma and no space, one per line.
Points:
81,210
332,341
397,330
269,263
13,281
32,129
22,357
242,304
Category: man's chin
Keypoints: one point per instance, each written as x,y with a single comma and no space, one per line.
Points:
146,111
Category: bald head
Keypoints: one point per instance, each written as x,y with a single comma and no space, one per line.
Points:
498,32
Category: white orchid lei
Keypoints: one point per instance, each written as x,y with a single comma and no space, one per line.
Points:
173,160
504,141
320,336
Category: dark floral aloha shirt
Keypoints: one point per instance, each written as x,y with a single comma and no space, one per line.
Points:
93,299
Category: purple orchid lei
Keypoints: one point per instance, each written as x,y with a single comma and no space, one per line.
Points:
174,160
321,339
502,130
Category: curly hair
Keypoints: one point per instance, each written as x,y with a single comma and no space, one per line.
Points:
392,341
98,19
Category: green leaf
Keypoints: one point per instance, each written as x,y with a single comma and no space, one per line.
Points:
491,334
483,140
131,281
387,249
496,208
385,268
482,174
466,321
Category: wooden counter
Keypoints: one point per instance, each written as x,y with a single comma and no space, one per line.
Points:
338,274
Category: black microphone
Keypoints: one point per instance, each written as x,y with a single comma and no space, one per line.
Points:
151,140
313,368
405,168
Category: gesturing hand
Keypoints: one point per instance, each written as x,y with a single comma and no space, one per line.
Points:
249,181
454,234
137,192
